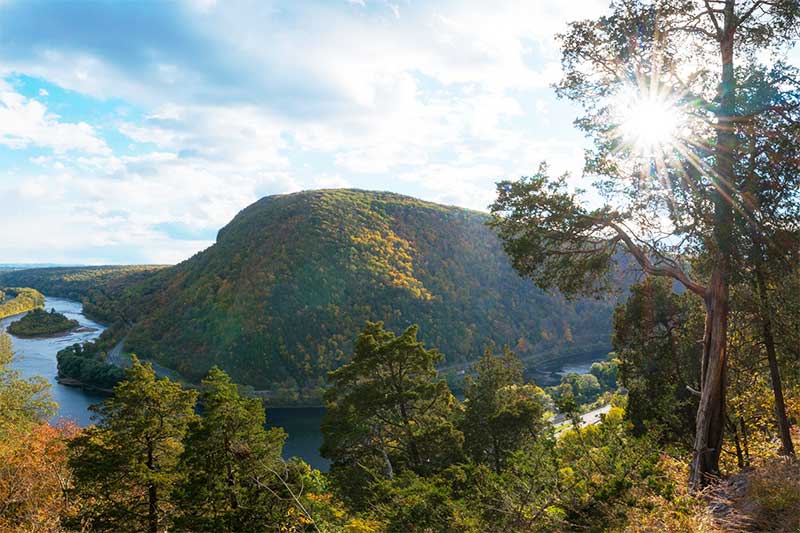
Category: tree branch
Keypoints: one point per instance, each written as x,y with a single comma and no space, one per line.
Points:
656,270
713,18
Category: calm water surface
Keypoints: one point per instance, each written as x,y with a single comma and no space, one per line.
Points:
37,357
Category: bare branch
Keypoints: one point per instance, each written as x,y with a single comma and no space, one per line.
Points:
749,12
710,11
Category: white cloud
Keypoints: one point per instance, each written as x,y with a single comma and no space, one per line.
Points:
25,122
437,99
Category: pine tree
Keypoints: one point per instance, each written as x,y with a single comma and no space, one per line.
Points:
501,410
232,463
387,411
125,467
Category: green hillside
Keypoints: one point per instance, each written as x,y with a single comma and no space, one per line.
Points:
104,290
278,300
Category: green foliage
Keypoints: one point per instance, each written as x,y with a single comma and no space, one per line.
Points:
501,411
606,373
551,238
584,481
85,364
23,402
16,301
39,322
232,463
387,412
433,503
126,466
655,338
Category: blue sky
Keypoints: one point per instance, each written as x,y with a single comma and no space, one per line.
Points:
130,132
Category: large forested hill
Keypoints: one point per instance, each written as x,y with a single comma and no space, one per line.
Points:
278,300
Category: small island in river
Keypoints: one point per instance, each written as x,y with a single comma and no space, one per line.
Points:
39,323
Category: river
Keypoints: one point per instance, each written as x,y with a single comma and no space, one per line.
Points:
37,357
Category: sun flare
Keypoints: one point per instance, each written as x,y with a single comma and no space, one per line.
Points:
648,123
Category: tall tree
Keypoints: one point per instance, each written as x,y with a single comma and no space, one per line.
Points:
658,84
388,411
125,466
501,410
655,338
770,166
232,463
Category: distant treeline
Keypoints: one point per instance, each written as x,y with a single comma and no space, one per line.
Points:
99,288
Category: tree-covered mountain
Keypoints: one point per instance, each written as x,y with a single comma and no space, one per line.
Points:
280,297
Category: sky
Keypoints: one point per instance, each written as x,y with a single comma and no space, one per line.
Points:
131,132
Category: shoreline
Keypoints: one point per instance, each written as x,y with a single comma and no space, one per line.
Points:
77,329
72,382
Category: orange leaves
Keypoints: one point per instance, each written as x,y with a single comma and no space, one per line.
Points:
34,477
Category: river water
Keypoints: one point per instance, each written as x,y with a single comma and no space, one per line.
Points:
37,357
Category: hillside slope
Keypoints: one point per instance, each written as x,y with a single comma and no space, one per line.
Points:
290,282
104,290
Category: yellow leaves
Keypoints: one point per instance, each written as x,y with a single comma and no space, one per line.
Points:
33,476
388,257
615,415
362,525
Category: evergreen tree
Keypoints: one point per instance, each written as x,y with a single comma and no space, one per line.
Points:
387,411
680,56
655,338
125,467
232,464
501,410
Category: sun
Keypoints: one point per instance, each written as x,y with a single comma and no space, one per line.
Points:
649,124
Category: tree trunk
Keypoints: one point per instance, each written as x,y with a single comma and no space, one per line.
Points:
711,411
787,448
739,455
152,496
744,442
